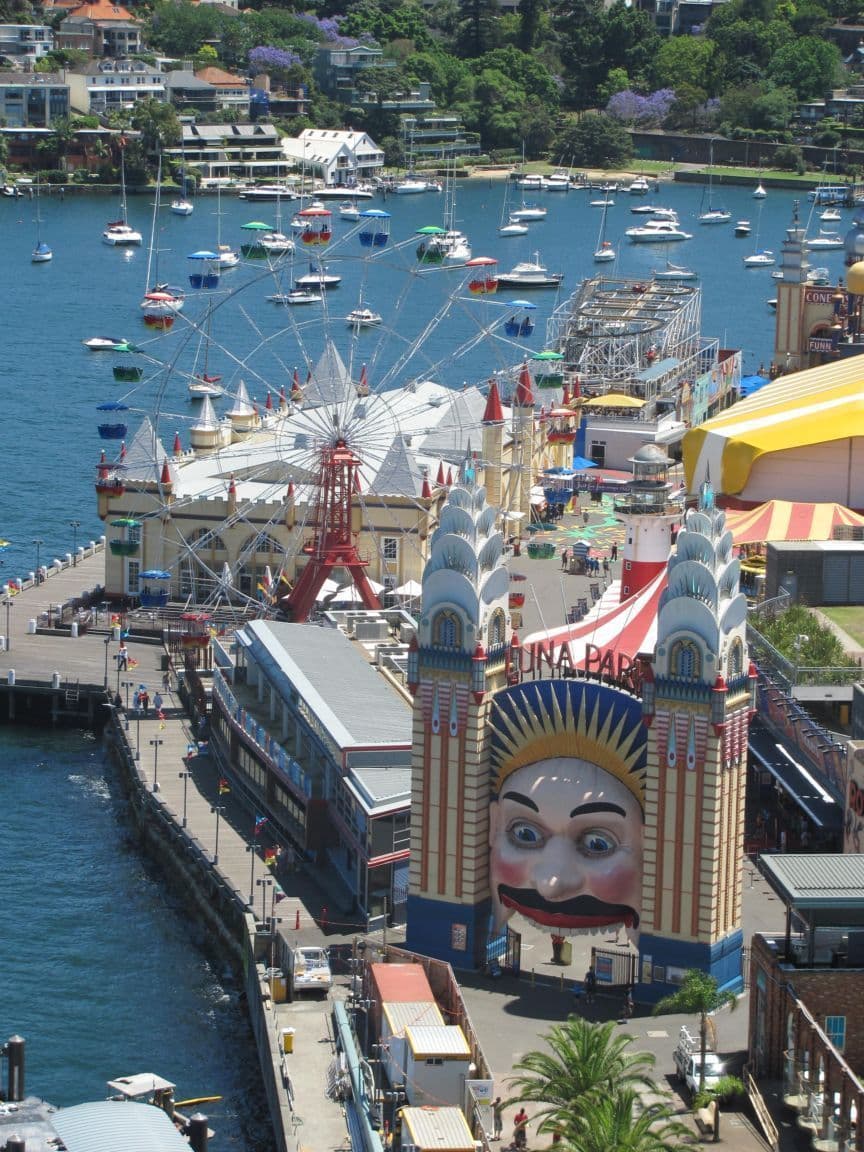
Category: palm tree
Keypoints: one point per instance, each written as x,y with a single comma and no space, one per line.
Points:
698,993
621,1123
587,1061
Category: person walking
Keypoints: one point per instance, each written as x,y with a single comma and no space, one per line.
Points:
157,702
590,985
565,556
613,551
497,1118
144,697
520,1129
122,657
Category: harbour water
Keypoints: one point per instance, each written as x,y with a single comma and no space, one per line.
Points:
103,973
433,326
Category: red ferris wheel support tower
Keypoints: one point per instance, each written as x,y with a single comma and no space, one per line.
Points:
334,544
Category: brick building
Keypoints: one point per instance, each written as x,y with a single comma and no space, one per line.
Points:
807,993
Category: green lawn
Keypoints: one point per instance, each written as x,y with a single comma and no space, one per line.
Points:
850,619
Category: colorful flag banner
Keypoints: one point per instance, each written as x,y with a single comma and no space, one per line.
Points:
270,857
260,821
278,895
224,787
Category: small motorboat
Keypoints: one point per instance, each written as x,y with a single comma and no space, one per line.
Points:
513,227
657,232
118,234
604,253
530,274
772,303
529,212
318,276
761,259
831,216
742,228
824,240
639,187
674,272
349,211
205,385
296,296
162,301
267,193
107,344
227,257
603,202
363,318
182,207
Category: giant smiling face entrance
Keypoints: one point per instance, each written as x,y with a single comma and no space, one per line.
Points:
566,817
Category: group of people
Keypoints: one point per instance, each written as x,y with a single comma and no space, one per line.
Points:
141,701
520,1124
592,564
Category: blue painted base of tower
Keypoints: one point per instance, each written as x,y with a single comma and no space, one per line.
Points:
456,933
663,962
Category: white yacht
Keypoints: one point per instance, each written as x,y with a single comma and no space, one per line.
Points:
657,232
530,274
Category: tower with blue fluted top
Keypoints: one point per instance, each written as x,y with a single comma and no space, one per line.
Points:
697,702
457,662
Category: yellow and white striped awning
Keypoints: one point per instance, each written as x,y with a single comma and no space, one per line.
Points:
815,406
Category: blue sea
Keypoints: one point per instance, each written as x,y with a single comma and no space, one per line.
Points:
433,326
103,972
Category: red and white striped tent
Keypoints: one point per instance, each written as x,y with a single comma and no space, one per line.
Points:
788,520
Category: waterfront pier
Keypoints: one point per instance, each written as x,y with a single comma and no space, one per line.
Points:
202,837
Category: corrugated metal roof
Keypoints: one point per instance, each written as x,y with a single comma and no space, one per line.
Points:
810,881
397,983
438,1129
109,1125
429,1040
402,1014
346,694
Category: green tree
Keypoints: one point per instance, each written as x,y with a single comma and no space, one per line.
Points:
587,1062
158,124
578,28
698,993
595,141
630,42
810,66
688,60
621,1122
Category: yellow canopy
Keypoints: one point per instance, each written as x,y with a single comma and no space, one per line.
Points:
615,400
815,406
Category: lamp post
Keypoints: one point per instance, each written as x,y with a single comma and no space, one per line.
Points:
155,745
107,642
127,684
218,809
74,525
8,603
184,776
38,541
250,848
264,883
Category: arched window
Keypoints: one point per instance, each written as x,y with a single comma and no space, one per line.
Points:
736,659
204,540
496,630
685,660
447,630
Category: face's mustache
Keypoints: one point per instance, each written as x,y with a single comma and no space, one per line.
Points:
586,908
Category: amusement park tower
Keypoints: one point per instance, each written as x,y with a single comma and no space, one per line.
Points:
456,664
697,700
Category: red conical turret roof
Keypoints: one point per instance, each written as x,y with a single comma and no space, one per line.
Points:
439,479
493,413
165,478
178,446
524,397
427,487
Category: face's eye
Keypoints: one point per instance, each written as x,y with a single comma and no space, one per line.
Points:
597,842
525,835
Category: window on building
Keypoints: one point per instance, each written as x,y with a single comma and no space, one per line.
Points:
736,659
835,1030
390,547
447,630
133,567
685,662
496,629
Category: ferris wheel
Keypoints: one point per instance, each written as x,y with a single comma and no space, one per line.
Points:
287,457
